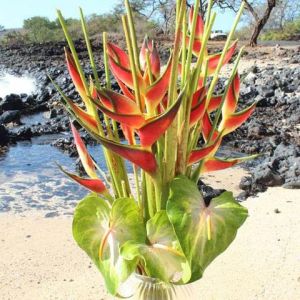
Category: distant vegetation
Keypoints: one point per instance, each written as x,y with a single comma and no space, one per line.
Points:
40,29
290,31
264,19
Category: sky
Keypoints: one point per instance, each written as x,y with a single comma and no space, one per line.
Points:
13,12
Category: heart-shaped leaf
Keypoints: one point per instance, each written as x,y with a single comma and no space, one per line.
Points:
100,231
204,231
162,255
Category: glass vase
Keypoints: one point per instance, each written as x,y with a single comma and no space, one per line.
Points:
139,287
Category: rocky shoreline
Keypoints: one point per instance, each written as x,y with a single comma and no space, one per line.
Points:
273,130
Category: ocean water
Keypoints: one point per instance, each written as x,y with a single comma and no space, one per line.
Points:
29,176
17,85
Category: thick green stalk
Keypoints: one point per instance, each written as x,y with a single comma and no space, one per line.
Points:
149,66
93,66
221,60
197,172
150,196
218,114
191,42
183,49
105,58
133,35
74,54
107,79
199,63
150,111
171,134
90,51
136,89
208,14
195,134
134,70
120,162
186,105
107,154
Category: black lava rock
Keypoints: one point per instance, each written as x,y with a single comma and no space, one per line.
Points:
208,192
12,102
4,137
10,116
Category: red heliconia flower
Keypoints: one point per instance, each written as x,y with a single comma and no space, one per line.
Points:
153,55
213,60
216,163
152,94
208,151
77,80
93,183
230,121
141,157
126,112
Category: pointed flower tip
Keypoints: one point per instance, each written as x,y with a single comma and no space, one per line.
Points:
94,185
141,157
85,158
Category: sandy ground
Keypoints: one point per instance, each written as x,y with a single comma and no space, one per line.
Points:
40,260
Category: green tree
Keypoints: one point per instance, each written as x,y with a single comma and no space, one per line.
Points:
40,29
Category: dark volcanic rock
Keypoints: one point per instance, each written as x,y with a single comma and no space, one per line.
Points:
281,168
4,138
12,102
272,130
208,192
66,145
21,134
10,116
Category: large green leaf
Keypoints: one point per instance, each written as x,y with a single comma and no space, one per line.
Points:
162,255
203,231
100,230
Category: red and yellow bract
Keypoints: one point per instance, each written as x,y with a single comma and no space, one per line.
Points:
168,114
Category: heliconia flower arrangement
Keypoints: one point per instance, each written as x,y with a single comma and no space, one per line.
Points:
167,122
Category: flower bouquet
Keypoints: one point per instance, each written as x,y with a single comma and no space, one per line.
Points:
168,122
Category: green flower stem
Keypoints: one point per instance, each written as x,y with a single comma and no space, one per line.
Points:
74,53
195,134
150,111
171,134
144,203
191,42
186,106
111,135
90,51
105,58
121,162
183,49
132,63
208,14
124,189
137,92
93,65
149,67
218,114
133,35
107,79
221,60
107,154
199,63
197,172
137,184
150,196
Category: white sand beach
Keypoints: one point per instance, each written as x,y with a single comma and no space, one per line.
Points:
39,259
